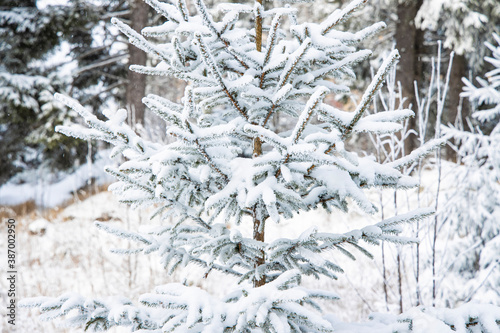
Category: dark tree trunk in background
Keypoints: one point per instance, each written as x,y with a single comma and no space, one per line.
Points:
458,70
17,3
408,42
136,87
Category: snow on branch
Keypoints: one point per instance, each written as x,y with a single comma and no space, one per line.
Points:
339,16
213,67
276,304
419,153
139,41
488,93
372,89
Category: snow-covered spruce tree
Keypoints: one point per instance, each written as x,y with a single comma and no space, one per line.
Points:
474,211
229,166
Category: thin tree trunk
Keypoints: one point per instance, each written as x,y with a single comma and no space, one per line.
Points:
384,275
434,241
400,281
258,30
384,269
258,235
136,87
258,225
435,234
417,273
398,259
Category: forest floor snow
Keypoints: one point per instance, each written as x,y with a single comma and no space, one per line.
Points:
64,251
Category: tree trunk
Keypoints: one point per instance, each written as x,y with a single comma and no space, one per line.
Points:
258,235
408,39
258,31
258,225
458,71
18,3
400,281
136,87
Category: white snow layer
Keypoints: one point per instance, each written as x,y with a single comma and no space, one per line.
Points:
47,194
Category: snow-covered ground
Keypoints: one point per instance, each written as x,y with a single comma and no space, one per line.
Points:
40,187
62,251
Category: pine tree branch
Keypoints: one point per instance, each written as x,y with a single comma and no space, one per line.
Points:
124,178
341,16
367,98
181,6
178,51
212,65
272,38
202,9
190,105
292,62
165,9
139,41
372,89
312,104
